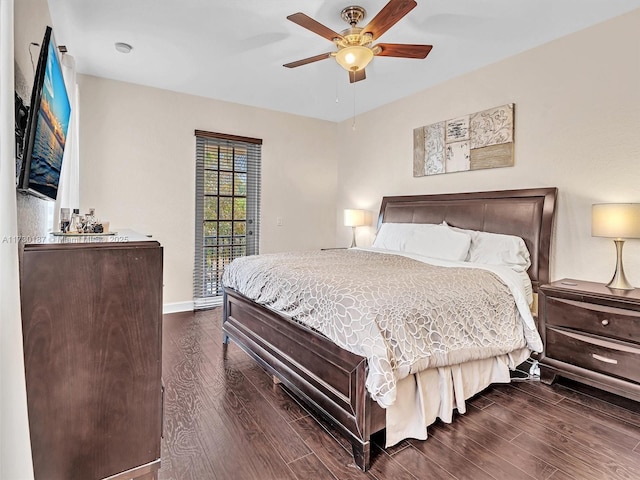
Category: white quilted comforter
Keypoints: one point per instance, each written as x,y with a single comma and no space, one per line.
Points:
402,314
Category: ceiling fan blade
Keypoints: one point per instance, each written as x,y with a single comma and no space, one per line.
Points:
304,61
313,25
357,76
390,14
404,50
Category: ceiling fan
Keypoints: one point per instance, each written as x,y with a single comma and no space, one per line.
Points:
355,44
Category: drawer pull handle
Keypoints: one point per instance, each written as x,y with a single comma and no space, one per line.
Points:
605,322
604,359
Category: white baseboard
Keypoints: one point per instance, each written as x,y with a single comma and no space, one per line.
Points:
177,307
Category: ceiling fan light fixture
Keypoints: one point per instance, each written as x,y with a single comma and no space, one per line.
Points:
354,58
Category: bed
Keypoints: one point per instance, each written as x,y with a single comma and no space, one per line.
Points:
332,380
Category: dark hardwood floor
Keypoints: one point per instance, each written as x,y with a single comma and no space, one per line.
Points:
226,419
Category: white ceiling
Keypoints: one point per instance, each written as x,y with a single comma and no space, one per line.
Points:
234,50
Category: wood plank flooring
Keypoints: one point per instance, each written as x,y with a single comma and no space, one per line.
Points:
226,419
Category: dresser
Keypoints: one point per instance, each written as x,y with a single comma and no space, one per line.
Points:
92,333
591,334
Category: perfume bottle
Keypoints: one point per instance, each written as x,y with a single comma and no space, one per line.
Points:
65,220
90,221
76,223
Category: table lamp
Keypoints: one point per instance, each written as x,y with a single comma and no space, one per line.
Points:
353,219
618,221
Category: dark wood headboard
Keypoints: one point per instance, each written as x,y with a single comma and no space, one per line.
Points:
527,213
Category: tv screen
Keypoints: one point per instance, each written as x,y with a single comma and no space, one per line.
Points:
47,125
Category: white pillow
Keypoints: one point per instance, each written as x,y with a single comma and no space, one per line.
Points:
425,239
437,241
498,249
392,236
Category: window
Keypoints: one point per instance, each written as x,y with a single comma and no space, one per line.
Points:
227,208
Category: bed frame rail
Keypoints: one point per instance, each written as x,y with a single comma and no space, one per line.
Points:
328,379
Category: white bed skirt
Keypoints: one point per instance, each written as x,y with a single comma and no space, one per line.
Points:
416,407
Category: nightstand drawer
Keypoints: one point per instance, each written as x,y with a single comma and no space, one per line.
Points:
597,319
598,354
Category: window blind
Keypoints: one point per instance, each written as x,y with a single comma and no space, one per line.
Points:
227,209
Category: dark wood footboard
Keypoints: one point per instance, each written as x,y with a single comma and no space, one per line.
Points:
328,379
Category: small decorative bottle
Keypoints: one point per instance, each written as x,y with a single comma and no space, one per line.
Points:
76,223
90,220
65,220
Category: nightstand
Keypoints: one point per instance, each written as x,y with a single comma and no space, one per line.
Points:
591,334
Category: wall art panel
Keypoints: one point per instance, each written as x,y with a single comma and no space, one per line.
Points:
469,142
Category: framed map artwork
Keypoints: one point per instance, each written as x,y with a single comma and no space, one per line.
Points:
470,142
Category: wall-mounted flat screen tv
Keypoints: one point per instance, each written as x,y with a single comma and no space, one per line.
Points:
47,125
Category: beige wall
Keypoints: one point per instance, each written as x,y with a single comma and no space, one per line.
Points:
31,17
577,128
137,151
577,123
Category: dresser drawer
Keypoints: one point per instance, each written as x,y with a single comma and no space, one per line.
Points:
597,319
594,353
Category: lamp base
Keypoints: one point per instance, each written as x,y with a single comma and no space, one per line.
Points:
353,239
619,280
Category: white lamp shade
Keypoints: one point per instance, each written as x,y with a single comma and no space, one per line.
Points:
615,220
353,218
354,58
